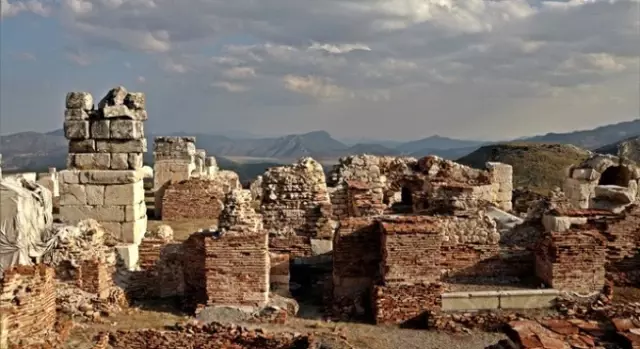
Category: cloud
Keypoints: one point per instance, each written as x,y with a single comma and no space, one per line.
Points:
229,86
317,87
13,8
240,73
141,79
78,57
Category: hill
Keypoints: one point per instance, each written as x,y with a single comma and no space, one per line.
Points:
627,148
434,143
594,138
537,166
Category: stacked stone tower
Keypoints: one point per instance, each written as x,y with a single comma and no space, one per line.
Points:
103,179
174,160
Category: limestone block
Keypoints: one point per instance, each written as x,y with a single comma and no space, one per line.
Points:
133,232
135,100
92,161
319,247
122,146
135,211
82,146
470,300
129,256
94,194
76,114
577,190
113,228
110,177
123,112
76,129
560,224
79,100
211,162
173,156
100,129
124,194
135,160
99,213
120,161
72,194
127,129
616,194
69,177
585,174
503,196
71,160
115,96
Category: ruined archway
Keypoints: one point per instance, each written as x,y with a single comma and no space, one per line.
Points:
615,175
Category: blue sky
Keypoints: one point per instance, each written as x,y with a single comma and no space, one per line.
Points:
393,69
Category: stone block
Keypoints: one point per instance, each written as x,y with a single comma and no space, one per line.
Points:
135,211
113,228
69,177
127,129
94,194
76,114
92,161
100,213
110,177
135,161
528,299
470,300
586,174
76,129
120,161
79,100
129,256
82,146
319,247
133,232
560,224
123,112
122,146
71,160
100,129
135,100
72,194
124,194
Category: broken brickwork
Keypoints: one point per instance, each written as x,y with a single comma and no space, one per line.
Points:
406,304
160,271
103,179
364,199
572,260
229,266
209,336
194,198
173,160
295,206
27,303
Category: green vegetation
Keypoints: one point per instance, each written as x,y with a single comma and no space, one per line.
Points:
537,166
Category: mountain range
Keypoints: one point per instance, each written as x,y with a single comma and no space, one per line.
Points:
29,151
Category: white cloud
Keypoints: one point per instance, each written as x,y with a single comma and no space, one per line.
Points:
171,66
230,86
317,87
13,8
240,73
79,57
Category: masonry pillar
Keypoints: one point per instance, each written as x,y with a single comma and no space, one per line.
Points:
103,179
174,160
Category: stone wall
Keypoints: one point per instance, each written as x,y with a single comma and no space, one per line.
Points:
103,178
173,160
27,303
572,261
295,203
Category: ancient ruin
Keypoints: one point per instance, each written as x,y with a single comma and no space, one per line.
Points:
426,243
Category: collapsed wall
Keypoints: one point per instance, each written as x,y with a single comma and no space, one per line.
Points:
27,305
103,180
296,209
229,266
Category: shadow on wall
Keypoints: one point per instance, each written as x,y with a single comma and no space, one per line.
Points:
615,175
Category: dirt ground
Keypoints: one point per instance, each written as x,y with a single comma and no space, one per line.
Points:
333,335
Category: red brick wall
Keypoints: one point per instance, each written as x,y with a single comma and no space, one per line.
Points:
94,276
572,260
28,296
406,304
161,270
195,198
296,246
465,261
227,269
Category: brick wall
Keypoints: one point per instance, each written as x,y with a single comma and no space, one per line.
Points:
572,260
365,199
406,304
279,272
94,276
28,300
296,246
410,249
227,269
467,261
161,270
194,198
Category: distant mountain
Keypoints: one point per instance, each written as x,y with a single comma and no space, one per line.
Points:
627,148
592,139
537,166
432,143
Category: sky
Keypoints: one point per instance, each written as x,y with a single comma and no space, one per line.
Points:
374,69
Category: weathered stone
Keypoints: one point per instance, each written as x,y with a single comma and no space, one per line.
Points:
69,177
135,100
73,194
76,129
129,255
119,161
76,114
163,232
135,161
320,247
95,194
110,177
122,146
168,145
92,161
613,193
83,146
115,96
123,112
126,129
100,129
133,232
100,213
586,174
79,100
135,211
124,194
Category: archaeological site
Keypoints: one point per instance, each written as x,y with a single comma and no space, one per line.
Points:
303,257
